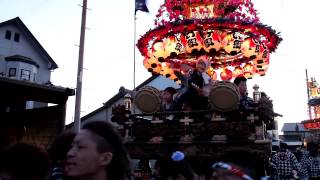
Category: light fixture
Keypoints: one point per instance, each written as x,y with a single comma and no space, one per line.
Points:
127,102
256,93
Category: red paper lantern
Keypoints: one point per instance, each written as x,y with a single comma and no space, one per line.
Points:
259,63
166,71
250,48
238,71
147,65
212,41
262,71
192,42
212,73
226,74
233,43
263,52
174,77
152,65
248,70
173,46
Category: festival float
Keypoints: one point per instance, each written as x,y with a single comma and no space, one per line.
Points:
229,34
313,123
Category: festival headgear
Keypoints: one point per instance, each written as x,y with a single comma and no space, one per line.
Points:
236,171
177,156
205,60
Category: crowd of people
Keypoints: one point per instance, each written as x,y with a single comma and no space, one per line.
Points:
302,163
97,152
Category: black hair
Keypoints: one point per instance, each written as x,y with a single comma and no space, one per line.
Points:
313,149
24,161
275,148
118,167
283,145
60,147
170,168
171,90
239,79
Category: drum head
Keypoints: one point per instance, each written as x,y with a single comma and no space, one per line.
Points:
148,100
224,97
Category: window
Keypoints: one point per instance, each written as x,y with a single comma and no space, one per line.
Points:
16,37
25,74
8,34
12,72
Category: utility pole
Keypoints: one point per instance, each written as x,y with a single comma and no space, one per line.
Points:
77,121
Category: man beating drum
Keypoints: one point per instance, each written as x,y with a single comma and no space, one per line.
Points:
245,101
196,82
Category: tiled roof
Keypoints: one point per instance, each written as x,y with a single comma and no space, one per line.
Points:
293,127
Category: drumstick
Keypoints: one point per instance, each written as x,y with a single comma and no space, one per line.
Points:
196,87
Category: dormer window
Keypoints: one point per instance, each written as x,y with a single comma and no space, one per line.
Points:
25,74
16,37
8,35
21,67
12,72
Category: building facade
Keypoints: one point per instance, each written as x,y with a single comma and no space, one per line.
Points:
22,57
26,90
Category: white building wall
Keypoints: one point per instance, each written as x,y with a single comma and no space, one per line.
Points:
20,66
2,63
24,48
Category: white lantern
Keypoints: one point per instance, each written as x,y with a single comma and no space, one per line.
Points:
158,51
170,46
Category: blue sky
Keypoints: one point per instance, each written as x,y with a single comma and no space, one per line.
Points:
109,46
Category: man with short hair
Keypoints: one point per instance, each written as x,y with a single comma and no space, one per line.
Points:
245,101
